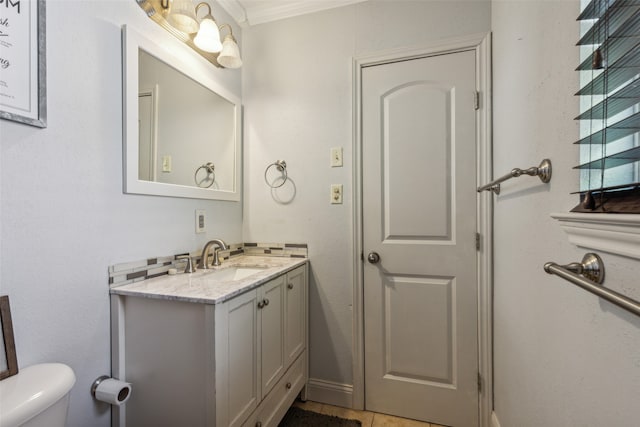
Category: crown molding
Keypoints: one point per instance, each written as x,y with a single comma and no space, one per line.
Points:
268,11
235,9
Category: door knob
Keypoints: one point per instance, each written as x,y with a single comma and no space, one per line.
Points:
373,257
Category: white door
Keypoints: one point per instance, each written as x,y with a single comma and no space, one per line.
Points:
419,216
147,122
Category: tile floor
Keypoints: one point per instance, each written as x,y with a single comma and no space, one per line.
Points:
368,419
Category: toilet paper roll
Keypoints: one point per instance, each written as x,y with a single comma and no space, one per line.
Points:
112,391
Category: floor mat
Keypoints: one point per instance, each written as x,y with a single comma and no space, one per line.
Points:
296,417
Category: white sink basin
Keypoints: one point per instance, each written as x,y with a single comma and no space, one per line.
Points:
234,273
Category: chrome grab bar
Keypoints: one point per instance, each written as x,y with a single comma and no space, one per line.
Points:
589,275
543,171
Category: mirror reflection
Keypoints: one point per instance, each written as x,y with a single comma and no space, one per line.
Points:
182,135
186,131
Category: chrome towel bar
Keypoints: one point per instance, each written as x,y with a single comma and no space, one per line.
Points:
589,274
543,172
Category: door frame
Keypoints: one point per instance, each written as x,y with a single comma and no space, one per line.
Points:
481,43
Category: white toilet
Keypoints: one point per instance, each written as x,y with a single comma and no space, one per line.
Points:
38,396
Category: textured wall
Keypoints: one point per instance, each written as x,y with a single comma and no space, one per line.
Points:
63,216
562,356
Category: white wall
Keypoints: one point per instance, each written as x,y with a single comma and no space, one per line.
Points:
297,82
562,356
63,216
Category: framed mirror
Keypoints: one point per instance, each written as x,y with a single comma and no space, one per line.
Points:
181,128
8,360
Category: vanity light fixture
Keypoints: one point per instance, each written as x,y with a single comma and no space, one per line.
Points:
180,18
208,37
230,55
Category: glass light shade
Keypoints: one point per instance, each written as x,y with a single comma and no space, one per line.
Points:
230,55
182,16
208,37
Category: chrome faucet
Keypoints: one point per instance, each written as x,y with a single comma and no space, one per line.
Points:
189,266
205,253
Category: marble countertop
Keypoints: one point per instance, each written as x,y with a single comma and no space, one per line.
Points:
205,286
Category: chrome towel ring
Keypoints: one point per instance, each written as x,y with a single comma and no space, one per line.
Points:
281,166
209,167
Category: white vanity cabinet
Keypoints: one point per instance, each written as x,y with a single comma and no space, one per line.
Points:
295,332
265,336
237,362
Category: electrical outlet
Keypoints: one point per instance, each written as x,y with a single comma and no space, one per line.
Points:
336,157
336,194
201,223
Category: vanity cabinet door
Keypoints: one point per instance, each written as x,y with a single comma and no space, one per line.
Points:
259,335
272,333
237,356
295,314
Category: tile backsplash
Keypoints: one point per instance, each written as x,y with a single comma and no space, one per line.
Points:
130,272
292,250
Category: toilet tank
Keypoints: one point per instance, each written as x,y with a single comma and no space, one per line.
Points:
37,396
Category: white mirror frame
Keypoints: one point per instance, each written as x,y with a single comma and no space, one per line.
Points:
131,43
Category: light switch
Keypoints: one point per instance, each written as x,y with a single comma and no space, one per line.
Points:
336,157
201,223
336,194
166,163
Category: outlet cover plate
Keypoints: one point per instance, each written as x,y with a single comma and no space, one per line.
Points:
336,194
201,221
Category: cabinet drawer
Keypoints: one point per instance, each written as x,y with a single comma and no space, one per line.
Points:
277,402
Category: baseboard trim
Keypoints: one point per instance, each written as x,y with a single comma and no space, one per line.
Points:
330,392
494,420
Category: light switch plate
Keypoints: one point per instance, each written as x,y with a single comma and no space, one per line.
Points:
336,157
201,221
166,163
336,194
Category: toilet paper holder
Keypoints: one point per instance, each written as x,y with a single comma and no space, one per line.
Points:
110,390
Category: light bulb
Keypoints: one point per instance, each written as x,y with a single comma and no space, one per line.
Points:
208,37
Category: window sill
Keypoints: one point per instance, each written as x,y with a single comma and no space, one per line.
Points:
614,233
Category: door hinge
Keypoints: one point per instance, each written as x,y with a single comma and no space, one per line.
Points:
477,241
479,382
476,100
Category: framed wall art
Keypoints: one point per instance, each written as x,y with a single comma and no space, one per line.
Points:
23,95
8,360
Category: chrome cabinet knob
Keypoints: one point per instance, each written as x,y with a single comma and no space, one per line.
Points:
258,424
290,286
373,257
261,304
266,302
288,386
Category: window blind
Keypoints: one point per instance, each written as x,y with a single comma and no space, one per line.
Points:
609,107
